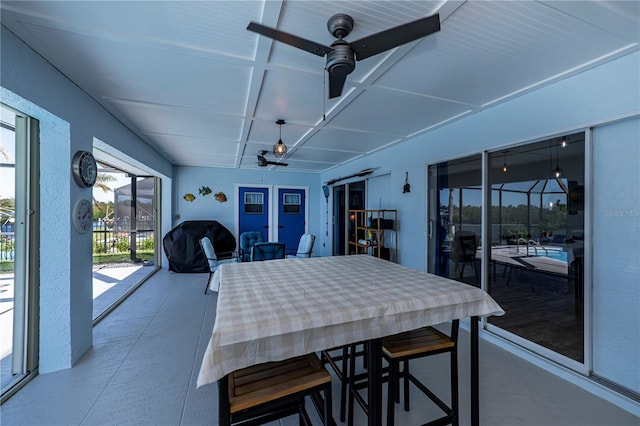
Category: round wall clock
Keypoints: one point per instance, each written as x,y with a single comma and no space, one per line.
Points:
83,215
84,169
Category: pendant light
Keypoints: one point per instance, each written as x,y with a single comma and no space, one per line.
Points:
280,149
557,172
504,165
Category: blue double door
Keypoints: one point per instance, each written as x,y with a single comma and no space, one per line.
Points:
285,221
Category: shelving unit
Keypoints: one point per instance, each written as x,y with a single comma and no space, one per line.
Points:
374,232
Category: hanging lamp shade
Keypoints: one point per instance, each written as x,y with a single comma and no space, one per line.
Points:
280,149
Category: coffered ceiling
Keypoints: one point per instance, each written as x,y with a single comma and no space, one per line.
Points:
195,84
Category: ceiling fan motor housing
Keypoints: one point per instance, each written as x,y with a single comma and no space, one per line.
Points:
341,60
340,25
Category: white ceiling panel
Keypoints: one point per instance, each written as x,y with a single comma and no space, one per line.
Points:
487,51
323,155
192,81
395,113
347,140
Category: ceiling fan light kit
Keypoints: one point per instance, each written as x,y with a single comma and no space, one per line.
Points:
342,55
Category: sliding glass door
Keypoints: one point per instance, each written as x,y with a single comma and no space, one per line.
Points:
19,217
535,231
536,221
124,235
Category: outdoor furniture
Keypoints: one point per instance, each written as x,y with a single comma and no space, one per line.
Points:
247,240
293,307
273,390
267,251
400,349
305,246
464,252
212,259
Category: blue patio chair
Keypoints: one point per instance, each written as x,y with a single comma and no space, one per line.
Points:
267,251
305,246
247,240
212,259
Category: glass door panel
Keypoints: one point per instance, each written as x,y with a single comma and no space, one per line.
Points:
537,242
455,219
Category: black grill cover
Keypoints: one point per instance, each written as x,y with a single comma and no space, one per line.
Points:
182,244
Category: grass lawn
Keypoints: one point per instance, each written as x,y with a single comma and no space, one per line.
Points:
7,266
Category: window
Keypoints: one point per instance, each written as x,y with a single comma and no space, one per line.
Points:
291,203
253,203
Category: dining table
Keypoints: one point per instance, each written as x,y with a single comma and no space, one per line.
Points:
279,309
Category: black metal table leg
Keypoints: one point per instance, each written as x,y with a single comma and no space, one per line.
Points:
224,415
475,378
374,373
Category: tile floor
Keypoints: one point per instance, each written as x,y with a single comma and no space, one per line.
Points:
143,366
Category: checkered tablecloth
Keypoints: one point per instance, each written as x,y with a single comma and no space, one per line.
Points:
274,310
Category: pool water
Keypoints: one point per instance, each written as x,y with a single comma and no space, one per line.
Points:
551,253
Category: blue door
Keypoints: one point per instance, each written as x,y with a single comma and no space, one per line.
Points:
291,217
254,210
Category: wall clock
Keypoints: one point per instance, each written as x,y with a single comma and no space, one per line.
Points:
83,215
84,169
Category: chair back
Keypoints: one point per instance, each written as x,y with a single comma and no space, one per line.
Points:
267,251
305,247
247,240
464,247
210,252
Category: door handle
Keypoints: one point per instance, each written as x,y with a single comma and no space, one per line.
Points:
280,226
266,226
430,228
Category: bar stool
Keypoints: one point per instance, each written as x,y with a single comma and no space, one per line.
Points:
342,369
266,392
400,349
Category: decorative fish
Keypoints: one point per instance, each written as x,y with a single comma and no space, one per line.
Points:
204,190
220,196
189,197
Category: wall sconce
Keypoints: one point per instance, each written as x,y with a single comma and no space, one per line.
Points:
280,149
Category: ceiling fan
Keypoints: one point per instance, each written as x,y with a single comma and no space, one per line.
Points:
341,55
263,162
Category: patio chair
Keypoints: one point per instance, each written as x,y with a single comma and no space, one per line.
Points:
305,246
212,259
247,240
267,251
464,252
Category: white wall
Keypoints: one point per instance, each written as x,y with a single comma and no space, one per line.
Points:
190,179
69,121
616,253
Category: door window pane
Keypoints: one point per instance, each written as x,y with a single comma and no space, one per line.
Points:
291,203
537,243
253,203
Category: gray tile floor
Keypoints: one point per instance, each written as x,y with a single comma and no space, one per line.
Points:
143,366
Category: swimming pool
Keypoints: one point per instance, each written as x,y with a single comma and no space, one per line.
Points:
555,253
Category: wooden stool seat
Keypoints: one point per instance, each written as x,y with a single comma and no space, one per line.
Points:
416,342
273,388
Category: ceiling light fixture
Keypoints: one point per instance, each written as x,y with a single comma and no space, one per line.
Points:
504,165
557,172
280,149
564,142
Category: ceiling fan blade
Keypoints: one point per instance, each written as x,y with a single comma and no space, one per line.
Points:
394,37
336,83
290,39
275,163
